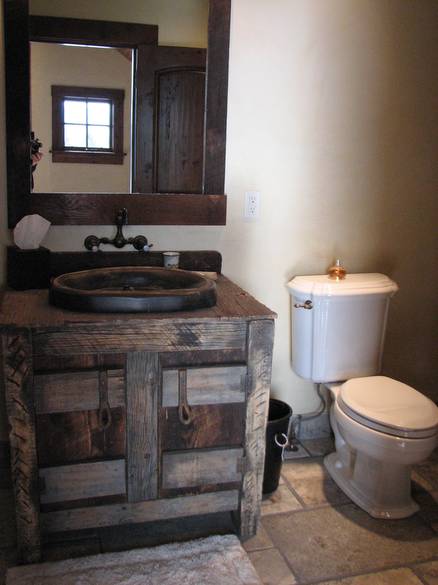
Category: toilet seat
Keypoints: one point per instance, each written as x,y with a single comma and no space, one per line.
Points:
389,406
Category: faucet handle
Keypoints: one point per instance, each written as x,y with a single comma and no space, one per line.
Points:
141,243
92,243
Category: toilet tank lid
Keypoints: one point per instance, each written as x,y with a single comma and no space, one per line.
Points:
389,403
320,285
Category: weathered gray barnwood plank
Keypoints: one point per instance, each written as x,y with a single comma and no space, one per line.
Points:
66,483
208,385
153,336
76,391
18,374
142,371
260,342
109,515
31,309
197,468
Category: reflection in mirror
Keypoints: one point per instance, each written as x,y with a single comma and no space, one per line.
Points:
163,151
80,125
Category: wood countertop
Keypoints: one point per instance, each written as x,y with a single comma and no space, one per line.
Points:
31,309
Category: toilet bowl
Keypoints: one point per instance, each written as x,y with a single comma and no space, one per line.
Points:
382,427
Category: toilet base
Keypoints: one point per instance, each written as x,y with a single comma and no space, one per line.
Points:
343,475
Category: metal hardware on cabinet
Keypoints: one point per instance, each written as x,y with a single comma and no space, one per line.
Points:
104,408
306,305
185,414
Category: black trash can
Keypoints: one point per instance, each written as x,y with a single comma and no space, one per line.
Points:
276,441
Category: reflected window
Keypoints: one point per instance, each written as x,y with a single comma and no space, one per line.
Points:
87,125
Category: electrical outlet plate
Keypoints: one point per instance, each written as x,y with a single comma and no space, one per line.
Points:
252,205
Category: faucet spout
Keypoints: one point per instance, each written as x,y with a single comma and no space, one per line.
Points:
140,243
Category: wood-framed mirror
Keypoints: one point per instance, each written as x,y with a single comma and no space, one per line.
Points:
146,204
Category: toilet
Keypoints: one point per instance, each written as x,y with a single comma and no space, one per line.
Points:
381,426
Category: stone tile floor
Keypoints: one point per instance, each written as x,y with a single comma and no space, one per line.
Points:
310,533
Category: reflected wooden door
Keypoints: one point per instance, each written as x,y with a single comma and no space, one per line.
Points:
169,128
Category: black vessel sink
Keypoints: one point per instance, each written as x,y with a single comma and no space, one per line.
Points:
132,289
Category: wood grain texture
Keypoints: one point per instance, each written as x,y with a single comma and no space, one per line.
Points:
147,208
179,148
196,468
151,62
17,368
142,370
260,343
149,336
219,425
76,391
83,480
131,513
78,436
209,385
55,364
234,305
217,94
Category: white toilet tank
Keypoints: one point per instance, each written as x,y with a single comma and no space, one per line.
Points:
338,326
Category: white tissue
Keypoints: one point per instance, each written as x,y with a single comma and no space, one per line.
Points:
30,231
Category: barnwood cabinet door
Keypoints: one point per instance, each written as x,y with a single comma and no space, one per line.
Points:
80,431
202,429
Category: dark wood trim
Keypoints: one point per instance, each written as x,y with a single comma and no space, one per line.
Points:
28,269
216,96
145,209
17,68
87,157
74,209
49,29
62,154
61,91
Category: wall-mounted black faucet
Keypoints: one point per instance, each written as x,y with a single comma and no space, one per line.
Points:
140,243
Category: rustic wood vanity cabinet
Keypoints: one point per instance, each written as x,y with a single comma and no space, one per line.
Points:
136,417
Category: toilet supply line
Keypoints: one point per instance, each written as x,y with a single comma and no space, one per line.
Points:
295,424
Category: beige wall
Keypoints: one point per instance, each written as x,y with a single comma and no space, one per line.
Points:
332,116
53,64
